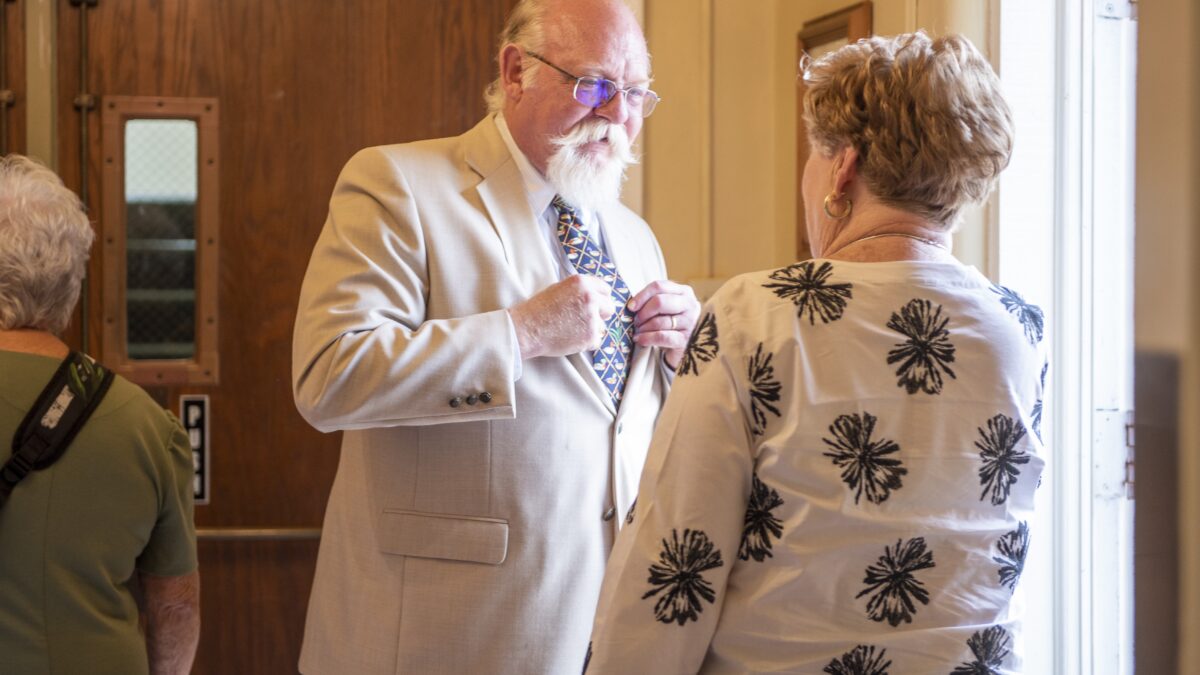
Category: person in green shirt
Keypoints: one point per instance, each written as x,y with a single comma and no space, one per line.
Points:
103,537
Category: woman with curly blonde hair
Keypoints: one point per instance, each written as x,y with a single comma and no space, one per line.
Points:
842,478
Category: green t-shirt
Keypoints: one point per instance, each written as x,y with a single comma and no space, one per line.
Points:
119,500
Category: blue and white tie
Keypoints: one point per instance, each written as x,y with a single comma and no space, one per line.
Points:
611,360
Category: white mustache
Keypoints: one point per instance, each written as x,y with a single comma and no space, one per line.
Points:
585,180
590,131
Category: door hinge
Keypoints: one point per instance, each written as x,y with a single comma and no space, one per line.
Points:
1130,448
1116,9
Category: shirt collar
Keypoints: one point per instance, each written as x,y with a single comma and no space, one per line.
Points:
537,188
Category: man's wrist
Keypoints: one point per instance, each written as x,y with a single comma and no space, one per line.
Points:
518,356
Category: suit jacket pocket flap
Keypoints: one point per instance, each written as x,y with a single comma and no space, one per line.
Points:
448,537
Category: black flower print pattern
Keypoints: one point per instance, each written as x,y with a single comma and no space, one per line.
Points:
764,390
989,646
760,525
862,660
892,584
701,347
678,575
1001,457
1013,547
1036,414
924,356
1031,317
1035,418
632,509
865,464
805,285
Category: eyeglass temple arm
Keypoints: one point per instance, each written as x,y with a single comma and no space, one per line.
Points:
539,58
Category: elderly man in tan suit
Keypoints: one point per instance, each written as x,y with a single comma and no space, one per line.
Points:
494,332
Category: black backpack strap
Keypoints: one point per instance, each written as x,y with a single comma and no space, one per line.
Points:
56,417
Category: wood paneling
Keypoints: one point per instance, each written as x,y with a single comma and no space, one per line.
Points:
13,62
251,594
1158,575
302,85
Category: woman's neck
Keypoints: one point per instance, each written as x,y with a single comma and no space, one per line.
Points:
878,233
28,341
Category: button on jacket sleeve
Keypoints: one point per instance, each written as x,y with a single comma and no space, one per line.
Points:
366,353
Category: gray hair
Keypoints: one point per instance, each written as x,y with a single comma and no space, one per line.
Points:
44,242
927,118
526,27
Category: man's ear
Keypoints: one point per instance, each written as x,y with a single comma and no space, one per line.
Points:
512,67
845,169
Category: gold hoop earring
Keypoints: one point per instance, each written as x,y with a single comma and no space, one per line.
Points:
829,199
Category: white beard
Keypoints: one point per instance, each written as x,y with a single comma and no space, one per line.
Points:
583,180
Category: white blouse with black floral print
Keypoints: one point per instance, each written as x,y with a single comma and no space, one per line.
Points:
842,481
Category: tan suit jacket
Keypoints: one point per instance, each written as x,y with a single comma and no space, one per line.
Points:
477,497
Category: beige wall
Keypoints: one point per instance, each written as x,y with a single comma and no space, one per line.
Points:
677,138
1167,284
720,167
633,193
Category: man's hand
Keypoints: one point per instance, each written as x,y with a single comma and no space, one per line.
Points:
665,313
565,318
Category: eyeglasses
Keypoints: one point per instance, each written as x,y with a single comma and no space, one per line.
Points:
597,91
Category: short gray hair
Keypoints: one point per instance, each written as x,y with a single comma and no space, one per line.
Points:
927,118
526,27
45,238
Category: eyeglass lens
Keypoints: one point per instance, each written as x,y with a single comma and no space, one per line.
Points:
595,92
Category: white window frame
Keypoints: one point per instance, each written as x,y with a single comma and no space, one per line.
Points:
1062,234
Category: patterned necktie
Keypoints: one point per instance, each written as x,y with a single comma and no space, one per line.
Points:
610,360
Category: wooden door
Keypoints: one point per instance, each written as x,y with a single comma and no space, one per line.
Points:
13,98
301,85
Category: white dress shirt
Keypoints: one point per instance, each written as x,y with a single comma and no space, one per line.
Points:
541,195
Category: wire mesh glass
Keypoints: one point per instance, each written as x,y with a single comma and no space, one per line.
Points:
160,223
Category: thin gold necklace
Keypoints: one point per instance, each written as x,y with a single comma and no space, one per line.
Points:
914,237
923,240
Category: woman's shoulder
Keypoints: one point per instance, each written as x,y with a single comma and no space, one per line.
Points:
751,296
816,289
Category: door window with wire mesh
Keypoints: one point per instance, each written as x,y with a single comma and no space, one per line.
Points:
160,225
160,238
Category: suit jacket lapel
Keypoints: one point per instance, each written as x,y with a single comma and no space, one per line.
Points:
623,250
504,197
643,358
